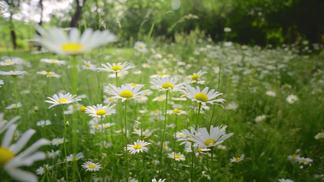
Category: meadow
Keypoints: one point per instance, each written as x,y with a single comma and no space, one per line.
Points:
142,113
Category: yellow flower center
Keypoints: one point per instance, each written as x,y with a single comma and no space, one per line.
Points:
209,142
177,156
201,97
5,155
101,112
167,85
97,126
126,94
195,77
176,111
137,146
49,74
62,100
9,62
83,108
72,48
117,67
92,166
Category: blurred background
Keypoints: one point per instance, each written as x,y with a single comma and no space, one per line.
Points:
256,22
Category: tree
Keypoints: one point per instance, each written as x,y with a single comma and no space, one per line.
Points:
13,6
79,4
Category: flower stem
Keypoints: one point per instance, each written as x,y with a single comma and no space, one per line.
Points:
74,84
126,140
175,131
64,145
212,116
192,162
116,79
198,113
164,127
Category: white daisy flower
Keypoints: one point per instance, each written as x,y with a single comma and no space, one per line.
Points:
57,141
53,154
197,77
227,29
14,106
140,47
125,92
91,166
231,106
214,137
176,111
12,156
43,123
58,41
100,111
49,74
117,68
158,180
96,126
292,99
143,133
53,61
271,93
137,147
177,156
62,99
13,61
260,118
40,171
87,65
74,157
1,83
237,159
12,73
166,83
205,96
318,136
285,180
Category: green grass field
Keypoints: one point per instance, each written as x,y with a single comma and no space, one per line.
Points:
273,106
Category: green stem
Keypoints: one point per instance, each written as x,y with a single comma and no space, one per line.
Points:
211,163
64,144
175,131
198,113
126,140
116,79
212,116
164,127
74,83
192,162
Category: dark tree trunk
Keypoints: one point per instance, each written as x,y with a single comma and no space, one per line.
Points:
77,14
40,23
41,7
13,35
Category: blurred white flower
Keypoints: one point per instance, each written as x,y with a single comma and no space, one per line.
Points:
58,41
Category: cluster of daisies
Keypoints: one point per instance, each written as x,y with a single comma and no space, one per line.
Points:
198,141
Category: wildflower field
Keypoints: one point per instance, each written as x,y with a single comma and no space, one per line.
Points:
87,105
180,112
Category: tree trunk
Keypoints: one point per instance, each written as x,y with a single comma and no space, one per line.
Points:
13,35
77,14
40,23
41,7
